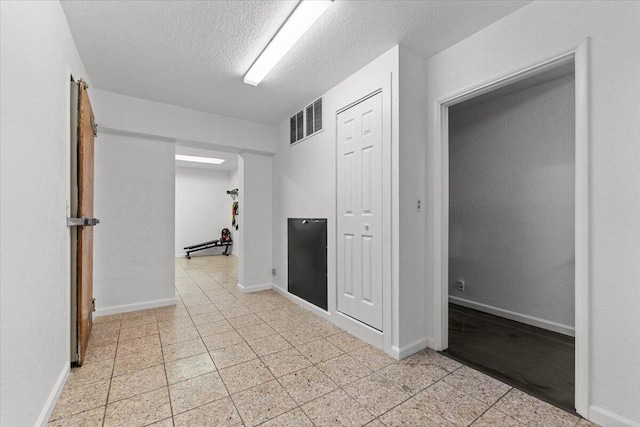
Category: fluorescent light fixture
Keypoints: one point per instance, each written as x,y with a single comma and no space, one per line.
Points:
300,20
195,159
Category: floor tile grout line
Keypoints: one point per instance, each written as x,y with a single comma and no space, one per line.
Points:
258,357
245,341
218,370
113,368
411,396
88,384
491,406
166,377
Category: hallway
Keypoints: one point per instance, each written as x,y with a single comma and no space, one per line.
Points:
221,357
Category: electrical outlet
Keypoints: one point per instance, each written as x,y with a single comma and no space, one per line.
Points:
418,205
461,285
273,271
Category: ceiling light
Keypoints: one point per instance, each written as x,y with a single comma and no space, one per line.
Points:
300,20
196,159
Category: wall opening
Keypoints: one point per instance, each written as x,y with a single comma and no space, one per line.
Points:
207,208
511,234
578,60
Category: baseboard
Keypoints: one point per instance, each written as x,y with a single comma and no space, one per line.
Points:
407,350
349,324
518,317
54,395
134,307
254,288
430,343
360,330
609,419
306,304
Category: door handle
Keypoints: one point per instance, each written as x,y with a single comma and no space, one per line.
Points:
366,227
82,222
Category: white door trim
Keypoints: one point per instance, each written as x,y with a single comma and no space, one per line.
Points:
385,337
441,206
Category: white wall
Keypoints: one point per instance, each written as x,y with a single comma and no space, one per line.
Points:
410,244
203,207
511,203
139,116
133,244
37,57
305,186
136,117
255,216
304,179
531,35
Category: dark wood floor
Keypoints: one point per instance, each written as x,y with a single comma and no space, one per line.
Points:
535,360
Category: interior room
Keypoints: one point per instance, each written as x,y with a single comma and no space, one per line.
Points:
435,223
206,202
511,233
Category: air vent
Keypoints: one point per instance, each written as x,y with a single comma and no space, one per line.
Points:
306,122
313,116
310,119
300,124
296,127
292,125
317,115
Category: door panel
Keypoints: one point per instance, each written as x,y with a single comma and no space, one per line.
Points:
367,269
307,259
85,209
359,142
348,266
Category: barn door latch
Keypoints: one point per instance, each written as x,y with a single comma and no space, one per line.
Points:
94,126
82,222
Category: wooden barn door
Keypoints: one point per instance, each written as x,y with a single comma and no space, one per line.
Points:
83,220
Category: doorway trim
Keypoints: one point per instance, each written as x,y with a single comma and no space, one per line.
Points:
440,243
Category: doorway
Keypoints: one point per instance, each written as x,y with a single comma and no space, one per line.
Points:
206,202
578,58
207,231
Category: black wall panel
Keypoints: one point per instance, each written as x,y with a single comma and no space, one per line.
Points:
307,248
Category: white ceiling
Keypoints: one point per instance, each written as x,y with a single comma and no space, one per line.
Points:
194,53
230,159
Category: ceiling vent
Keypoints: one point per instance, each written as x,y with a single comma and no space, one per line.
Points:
306,122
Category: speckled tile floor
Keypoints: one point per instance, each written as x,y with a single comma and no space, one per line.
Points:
220,357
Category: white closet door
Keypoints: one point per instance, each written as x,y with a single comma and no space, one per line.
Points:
360,211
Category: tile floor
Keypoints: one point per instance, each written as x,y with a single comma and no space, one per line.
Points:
220,357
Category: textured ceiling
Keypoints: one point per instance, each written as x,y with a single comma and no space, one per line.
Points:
194,53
